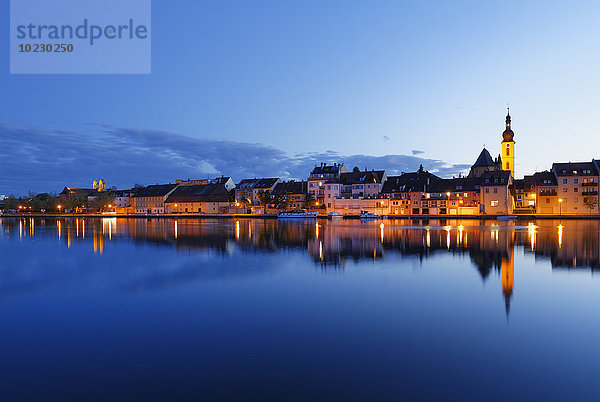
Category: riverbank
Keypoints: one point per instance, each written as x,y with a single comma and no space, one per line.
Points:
274,216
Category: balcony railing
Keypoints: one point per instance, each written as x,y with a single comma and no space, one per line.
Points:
548,194
589,193
589,184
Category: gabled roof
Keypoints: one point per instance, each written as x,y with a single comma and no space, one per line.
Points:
291,187
457,184
199,193
155,190
220,180
265,183
325,169
544,179
575,169
246,184
369,176
484,159
417,181
495,178
519,183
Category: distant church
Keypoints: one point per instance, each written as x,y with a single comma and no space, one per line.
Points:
504,161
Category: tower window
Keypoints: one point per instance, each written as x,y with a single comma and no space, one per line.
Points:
507,166
507,151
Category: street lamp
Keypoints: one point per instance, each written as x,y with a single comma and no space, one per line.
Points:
560,200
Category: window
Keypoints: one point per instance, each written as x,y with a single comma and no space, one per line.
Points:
328,187
507,153
495,191
575,181
507,166
487,190
547,200
564,181
576,189
466,194
494,203
565,190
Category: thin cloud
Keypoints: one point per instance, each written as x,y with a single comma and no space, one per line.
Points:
48,160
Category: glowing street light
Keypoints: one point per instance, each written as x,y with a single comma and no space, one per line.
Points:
560,200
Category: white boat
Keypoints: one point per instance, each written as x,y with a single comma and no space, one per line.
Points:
334,215
297,213
368,215
507,218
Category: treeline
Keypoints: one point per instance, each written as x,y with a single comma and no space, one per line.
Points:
53,203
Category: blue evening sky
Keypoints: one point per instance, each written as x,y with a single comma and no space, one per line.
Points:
349,80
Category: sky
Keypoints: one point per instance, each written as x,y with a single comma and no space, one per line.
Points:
270,88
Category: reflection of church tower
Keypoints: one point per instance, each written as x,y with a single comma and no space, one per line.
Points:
508,147
507,272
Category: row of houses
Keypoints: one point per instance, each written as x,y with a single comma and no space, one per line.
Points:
490,188
568,188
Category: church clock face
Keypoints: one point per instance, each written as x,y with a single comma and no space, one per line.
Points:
507,145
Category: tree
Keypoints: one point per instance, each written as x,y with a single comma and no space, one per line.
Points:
590,202
264,198
281,201
309,201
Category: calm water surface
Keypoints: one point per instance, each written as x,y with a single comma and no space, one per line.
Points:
116,309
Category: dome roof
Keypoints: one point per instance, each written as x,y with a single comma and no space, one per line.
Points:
508,135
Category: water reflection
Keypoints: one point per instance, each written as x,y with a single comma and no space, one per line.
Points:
567,244
490,245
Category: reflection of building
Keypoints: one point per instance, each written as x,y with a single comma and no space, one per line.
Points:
490,246
507,272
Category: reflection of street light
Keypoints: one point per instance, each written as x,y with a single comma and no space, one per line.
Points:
560,200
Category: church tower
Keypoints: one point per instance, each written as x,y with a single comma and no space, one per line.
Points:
508,147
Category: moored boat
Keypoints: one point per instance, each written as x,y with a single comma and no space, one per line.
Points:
297,213
334,216
368,215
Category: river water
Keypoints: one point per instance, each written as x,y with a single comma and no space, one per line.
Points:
225,309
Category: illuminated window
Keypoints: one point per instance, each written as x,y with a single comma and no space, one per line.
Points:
494,203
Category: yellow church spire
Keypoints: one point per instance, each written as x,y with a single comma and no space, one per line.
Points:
508,147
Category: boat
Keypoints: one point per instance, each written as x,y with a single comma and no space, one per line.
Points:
507,217
334,216
297,213
368,215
